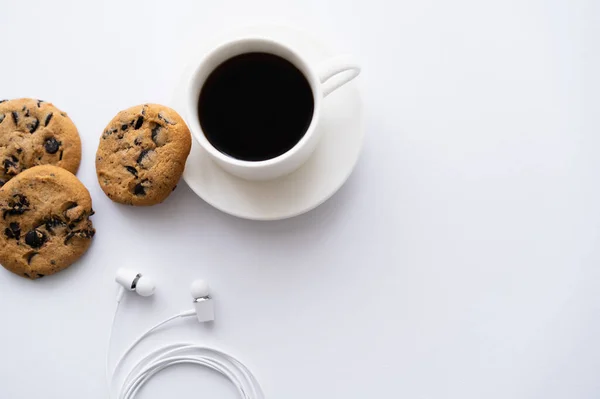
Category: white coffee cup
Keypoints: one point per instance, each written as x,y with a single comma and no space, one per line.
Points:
323,80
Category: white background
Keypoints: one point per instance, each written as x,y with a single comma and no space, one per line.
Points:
461,259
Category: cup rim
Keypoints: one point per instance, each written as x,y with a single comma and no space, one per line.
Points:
193,96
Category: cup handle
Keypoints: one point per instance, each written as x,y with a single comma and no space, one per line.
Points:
336,73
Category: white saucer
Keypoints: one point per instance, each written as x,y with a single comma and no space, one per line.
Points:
315,181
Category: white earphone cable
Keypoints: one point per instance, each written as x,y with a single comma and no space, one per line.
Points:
179,353
107,372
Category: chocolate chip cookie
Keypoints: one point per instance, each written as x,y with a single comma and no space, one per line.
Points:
34,132
142,154
45,224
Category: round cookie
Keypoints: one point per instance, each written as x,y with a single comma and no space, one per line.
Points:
142,154
34,132
45,224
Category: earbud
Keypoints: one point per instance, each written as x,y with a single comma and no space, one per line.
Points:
199,289
203,303
145,286
134,281
130,280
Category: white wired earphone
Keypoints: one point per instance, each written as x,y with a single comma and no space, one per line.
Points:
175,353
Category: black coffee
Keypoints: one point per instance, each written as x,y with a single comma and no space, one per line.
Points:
255,106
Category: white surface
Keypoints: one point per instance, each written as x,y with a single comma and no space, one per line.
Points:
459,261
340,126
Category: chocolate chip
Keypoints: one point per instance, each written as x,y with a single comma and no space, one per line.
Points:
39,103
19,150
108,133
61,155
26,112
143,154
14,226
53,223
35,238
11,166
1,118
140,188
40,275
33,125
137,141
124,127
7,165
2,182
48,118
139,122
30,256
24,108
86,233
15,117
51,145
155,131
18,206
68,237
13,231
3,101
144,109
11,212
168,122
132,170
21,200
92,212
53,262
